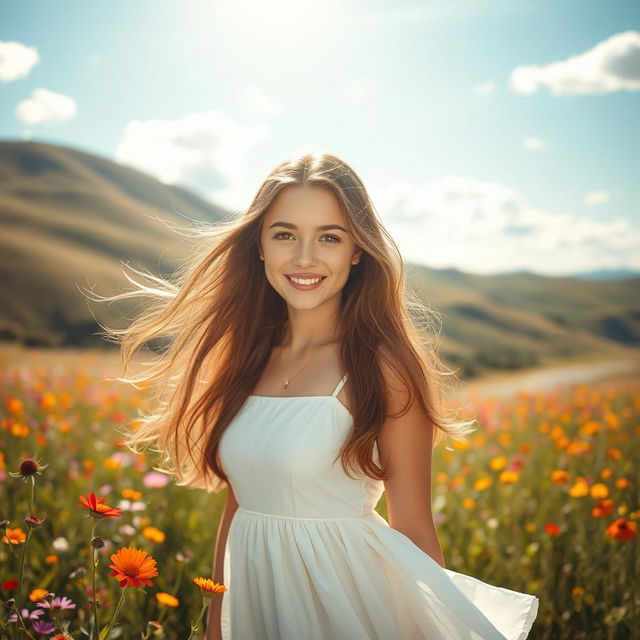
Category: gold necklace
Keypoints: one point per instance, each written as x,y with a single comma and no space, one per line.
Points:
286,380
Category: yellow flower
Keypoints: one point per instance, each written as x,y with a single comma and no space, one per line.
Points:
508,477
482,483
498,463
167,599
599,490
20,430
47,400
153,534
131,494
579,489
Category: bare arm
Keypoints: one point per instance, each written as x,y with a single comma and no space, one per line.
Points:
214,610
406,446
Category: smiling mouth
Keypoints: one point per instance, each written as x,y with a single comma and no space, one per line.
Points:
311,285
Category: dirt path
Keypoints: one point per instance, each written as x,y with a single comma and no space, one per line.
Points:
548,378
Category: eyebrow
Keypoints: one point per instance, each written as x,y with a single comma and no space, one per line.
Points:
324,227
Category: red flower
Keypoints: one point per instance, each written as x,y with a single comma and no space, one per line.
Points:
622,529
97,508
7,585
552,528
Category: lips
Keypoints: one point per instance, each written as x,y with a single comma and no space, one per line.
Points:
306,287
305,276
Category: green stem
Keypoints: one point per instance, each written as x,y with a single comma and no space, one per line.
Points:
195,628
117,611
93,580
21,621
20,575
32,493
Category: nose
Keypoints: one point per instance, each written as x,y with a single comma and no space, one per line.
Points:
305,253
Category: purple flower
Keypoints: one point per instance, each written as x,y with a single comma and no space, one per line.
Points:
43,626
59,603
34,615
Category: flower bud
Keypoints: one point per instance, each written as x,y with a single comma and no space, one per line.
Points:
97,542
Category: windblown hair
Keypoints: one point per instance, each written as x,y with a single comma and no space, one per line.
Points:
221,319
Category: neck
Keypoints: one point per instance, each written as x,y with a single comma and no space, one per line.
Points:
307,333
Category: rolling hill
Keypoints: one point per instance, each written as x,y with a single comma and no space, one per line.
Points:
67,219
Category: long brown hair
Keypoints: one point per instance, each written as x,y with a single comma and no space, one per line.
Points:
221,319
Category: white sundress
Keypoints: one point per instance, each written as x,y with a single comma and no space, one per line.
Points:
308,558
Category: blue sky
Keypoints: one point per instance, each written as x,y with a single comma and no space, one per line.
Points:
492,135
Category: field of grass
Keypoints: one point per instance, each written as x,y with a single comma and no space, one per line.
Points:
542,499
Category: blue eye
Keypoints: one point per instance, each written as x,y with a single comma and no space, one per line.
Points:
327,235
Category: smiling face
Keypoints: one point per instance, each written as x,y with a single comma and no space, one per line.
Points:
292,243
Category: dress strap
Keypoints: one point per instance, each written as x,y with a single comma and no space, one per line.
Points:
344,379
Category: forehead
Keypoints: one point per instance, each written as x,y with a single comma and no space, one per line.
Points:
305,205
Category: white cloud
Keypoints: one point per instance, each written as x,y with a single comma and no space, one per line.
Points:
16,60
596,197
533,143
256,102
204,151
46,106
484,88
612,65
489,227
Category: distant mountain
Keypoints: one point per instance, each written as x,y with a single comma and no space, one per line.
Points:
607,274
68,217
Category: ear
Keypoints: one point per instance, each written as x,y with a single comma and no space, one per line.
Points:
357,254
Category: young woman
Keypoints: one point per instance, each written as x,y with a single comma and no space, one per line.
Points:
292,349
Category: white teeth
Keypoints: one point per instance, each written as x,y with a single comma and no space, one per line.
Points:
305,282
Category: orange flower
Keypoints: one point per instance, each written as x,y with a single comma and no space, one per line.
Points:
14,405
508,476
209,588
153,534
599,490
52,559
38,594
97,508
482,483
603,509
560,476
579,489
47,400
14,536
133,567
168,599
131,494
622,529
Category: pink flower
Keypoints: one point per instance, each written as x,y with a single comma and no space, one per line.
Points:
155,480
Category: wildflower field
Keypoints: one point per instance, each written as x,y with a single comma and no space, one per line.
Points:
543,498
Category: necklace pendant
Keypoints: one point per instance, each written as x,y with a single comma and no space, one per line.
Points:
286,384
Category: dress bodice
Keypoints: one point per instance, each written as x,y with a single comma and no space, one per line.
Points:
278,453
